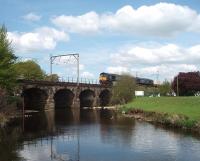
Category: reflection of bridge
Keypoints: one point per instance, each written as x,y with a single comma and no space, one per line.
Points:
41,95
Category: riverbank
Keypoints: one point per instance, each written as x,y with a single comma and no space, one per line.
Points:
177,112
8,113
9,107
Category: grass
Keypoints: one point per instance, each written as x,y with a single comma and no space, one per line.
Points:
187,106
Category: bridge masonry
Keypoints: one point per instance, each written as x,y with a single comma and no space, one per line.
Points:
44,95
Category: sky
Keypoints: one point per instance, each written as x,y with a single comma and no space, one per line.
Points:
153,39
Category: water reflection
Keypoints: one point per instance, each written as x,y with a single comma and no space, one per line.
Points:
93,135
9,144
66,117
39,125
89,116
115,129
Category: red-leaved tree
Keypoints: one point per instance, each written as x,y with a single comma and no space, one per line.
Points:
188,83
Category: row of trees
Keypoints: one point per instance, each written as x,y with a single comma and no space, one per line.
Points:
184,84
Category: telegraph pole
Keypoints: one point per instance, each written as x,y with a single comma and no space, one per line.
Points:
157,77
51,62
177,86
77,58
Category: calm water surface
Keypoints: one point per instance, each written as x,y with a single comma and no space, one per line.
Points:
93,135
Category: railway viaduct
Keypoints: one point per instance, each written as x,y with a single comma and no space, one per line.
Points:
43,95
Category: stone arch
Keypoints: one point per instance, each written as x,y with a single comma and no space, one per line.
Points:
63,99
105,97
35,99
87,98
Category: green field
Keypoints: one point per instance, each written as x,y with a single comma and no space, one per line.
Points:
188,106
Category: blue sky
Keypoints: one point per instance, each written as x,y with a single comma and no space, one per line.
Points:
141,36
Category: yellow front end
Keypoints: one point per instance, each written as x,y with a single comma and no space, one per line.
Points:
103,78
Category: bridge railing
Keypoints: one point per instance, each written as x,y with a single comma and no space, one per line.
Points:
81,80
67,80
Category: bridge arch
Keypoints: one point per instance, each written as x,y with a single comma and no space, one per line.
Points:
63,99
35,99
87,98
105,97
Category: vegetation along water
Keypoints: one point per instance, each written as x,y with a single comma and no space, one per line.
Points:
181,112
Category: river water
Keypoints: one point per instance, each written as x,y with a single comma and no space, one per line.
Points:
93,135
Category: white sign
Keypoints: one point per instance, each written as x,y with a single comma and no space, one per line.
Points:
139,93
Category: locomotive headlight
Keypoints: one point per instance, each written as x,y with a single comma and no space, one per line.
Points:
102,78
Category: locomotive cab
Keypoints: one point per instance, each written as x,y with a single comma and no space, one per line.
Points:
107,78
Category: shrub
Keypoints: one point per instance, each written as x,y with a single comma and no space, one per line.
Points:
124,90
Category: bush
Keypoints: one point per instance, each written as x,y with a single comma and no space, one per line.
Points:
165,88
124,90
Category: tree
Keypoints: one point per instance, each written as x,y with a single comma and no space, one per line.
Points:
165,88
52,77
29,70
124,90
2,98
7,59
188,83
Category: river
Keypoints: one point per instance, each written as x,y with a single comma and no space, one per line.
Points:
93,135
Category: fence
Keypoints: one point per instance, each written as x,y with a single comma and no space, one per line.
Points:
81,80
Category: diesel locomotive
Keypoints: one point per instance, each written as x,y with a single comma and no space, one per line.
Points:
110,79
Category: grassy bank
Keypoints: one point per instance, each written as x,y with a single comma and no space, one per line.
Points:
174,111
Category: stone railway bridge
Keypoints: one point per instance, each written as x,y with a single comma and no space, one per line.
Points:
42,95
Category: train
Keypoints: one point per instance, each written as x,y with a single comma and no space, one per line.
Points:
110,79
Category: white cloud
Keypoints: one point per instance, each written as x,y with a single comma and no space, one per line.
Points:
162,19
87,23
44,38
117,70
165,71
32,17
163,54
87,75
168,60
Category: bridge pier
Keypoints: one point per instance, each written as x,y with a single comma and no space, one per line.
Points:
50,103
96,102
76,102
